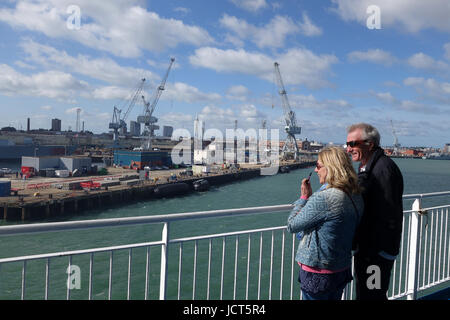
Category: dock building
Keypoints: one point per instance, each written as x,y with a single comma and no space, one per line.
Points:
141,159
42,165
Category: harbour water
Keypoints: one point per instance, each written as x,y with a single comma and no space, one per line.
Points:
420,176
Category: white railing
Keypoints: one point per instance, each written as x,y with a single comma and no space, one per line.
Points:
245,264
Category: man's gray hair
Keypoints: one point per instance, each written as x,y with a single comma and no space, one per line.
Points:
369,133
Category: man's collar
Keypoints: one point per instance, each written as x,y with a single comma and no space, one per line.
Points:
373,158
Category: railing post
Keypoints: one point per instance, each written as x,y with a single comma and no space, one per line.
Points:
414,239
164,258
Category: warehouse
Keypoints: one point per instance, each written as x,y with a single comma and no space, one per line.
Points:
41,163
50,164
141,159
82,164
5,188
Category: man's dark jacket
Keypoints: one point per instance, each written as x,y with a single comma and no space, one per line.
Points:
382,189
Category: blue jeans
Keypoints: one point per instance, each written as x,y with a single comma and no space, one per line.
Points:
332,295
317,286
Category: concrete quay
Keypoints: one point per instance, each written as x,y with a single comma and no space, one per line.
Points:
48,202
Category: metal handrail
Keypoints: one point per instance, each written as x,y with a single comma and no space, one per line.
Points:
425,195
413,254
119,222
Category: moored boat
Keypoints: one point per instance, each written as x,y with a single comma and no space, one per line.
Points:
201,185
173,189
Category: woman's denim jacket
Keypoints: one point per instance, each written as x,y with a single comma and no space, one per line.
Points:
327,221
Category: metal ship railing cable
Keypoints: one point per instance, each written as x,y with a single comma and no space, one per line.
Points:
245,264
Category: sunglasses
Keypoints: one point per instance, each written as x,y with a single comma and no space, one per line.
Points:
355,143
318,166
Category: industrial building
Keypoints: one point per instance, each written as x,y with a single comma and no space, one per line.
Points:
167,131
5,187
141,159
56,125
135,128
41,164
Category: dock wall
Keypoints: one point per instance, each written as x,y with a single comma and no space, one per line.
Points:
76,204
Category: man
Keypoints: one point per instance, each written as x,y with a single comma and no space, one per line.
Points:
377,238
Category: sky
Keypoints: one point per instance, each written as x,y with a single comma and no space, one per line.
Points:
341,61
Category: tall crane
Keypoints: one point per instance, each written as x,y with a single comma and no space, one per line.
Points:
291,128
396,143
119,122
148,119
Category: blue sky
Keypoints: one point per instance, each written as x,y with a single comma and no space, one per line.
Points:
336,69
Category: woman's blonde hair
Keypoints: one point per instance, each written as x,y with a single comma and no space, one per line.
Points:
340,171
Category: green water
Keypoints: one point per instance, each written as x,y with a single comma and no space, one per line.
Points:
420,176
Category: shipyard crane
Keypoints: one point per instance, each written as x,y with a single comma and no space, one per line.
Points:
119,122
147,118
291,128
396,143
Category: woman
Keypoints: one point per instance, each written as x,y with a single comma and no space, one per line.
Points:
327,221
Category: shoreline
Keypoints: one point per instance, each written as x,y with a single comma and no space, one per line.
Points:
48,202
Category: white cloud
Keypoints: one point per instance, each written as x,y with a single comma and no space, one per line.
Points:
62,85
412,15
250,113
250,5
113,26
372,55
111,92
177,120
216,117
238,92
93,118
331,108
271,35
427,63
413,81
104,69
24,65
308,28
186,93
447,51
405,105
390,83
74,110
302,66
414,106
298,66
50,84
387,97
232,61
247,115
431,88
182,10
108,70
